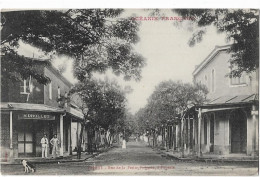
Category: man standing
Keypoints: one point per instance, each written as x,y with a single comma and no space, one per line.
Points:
55,143
44,142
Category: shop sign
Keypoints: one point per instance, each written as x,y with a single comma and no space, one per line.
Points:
36,116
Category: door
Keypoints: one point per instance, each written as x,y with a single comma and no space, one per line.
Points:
26,139
238,132
211,149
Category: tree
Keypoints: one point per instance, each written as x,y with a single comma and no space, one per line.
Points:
103,105
170,100
241,27
97,39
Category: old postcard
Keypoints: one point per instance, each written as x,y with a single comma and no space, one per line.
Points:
130,92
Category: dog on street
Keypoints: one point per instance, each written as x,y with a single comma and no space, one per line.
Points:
28,167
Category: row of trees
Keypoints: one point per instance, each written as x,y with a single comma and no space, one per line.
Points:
167,105
103,104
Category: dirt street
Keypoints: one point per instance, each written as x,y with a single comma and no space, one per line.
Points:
138,159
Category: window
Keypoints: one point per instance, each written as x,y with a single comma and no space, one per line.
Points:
50,90
213,80
23,88
58,92
206,80
238,80
26,86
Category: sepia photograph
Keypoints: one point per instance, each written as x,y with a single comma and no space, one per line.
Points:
130,91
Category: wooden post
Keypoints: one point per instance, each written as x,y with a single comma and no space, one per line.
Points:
11,129
177,140
182,137
188,143
11,152
172,139
174,136
61,135
254,131
199,133
193,135
69,138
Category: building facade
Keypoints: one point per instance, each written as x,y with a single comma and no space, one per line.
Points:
228,122
29,110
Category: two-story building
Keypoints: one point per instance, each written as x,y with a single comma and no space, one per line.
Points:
228,122
29,110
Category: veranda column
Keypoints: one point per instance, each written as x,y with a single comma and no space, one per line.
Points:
61,135
11,135
188,143
69,138
176,135
182,137
199,132
254,113
172,137
193,135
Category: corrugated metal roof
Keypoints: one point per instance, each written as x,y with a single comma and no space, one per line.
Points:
235,99
29,107
222,99
231,101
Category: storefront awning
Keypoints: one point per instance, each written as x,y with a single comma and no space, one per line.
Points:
7,106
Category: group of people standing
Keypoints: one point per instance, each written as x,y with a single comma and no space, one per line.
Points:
55,144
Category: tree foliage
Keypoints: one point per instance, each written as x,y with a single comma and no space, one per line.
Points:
104,101
95,38
168,101
103,106
241,27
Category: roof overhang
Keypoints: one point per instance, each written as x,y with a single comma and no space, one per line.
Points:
75,114
9,106
219,109
226,105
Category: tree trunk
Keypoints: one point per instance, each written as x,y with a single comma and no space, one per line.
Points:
163,138
80,141
90,141
153,139
167,138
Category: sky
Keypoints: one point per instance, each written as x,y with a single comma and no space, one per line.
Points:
167,53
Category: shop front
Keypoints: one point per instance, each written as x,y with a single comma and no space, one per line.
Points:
31,128
23,125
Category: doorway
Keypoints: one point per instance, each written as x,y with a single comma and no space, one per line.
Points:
211,138
238,131
26,146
